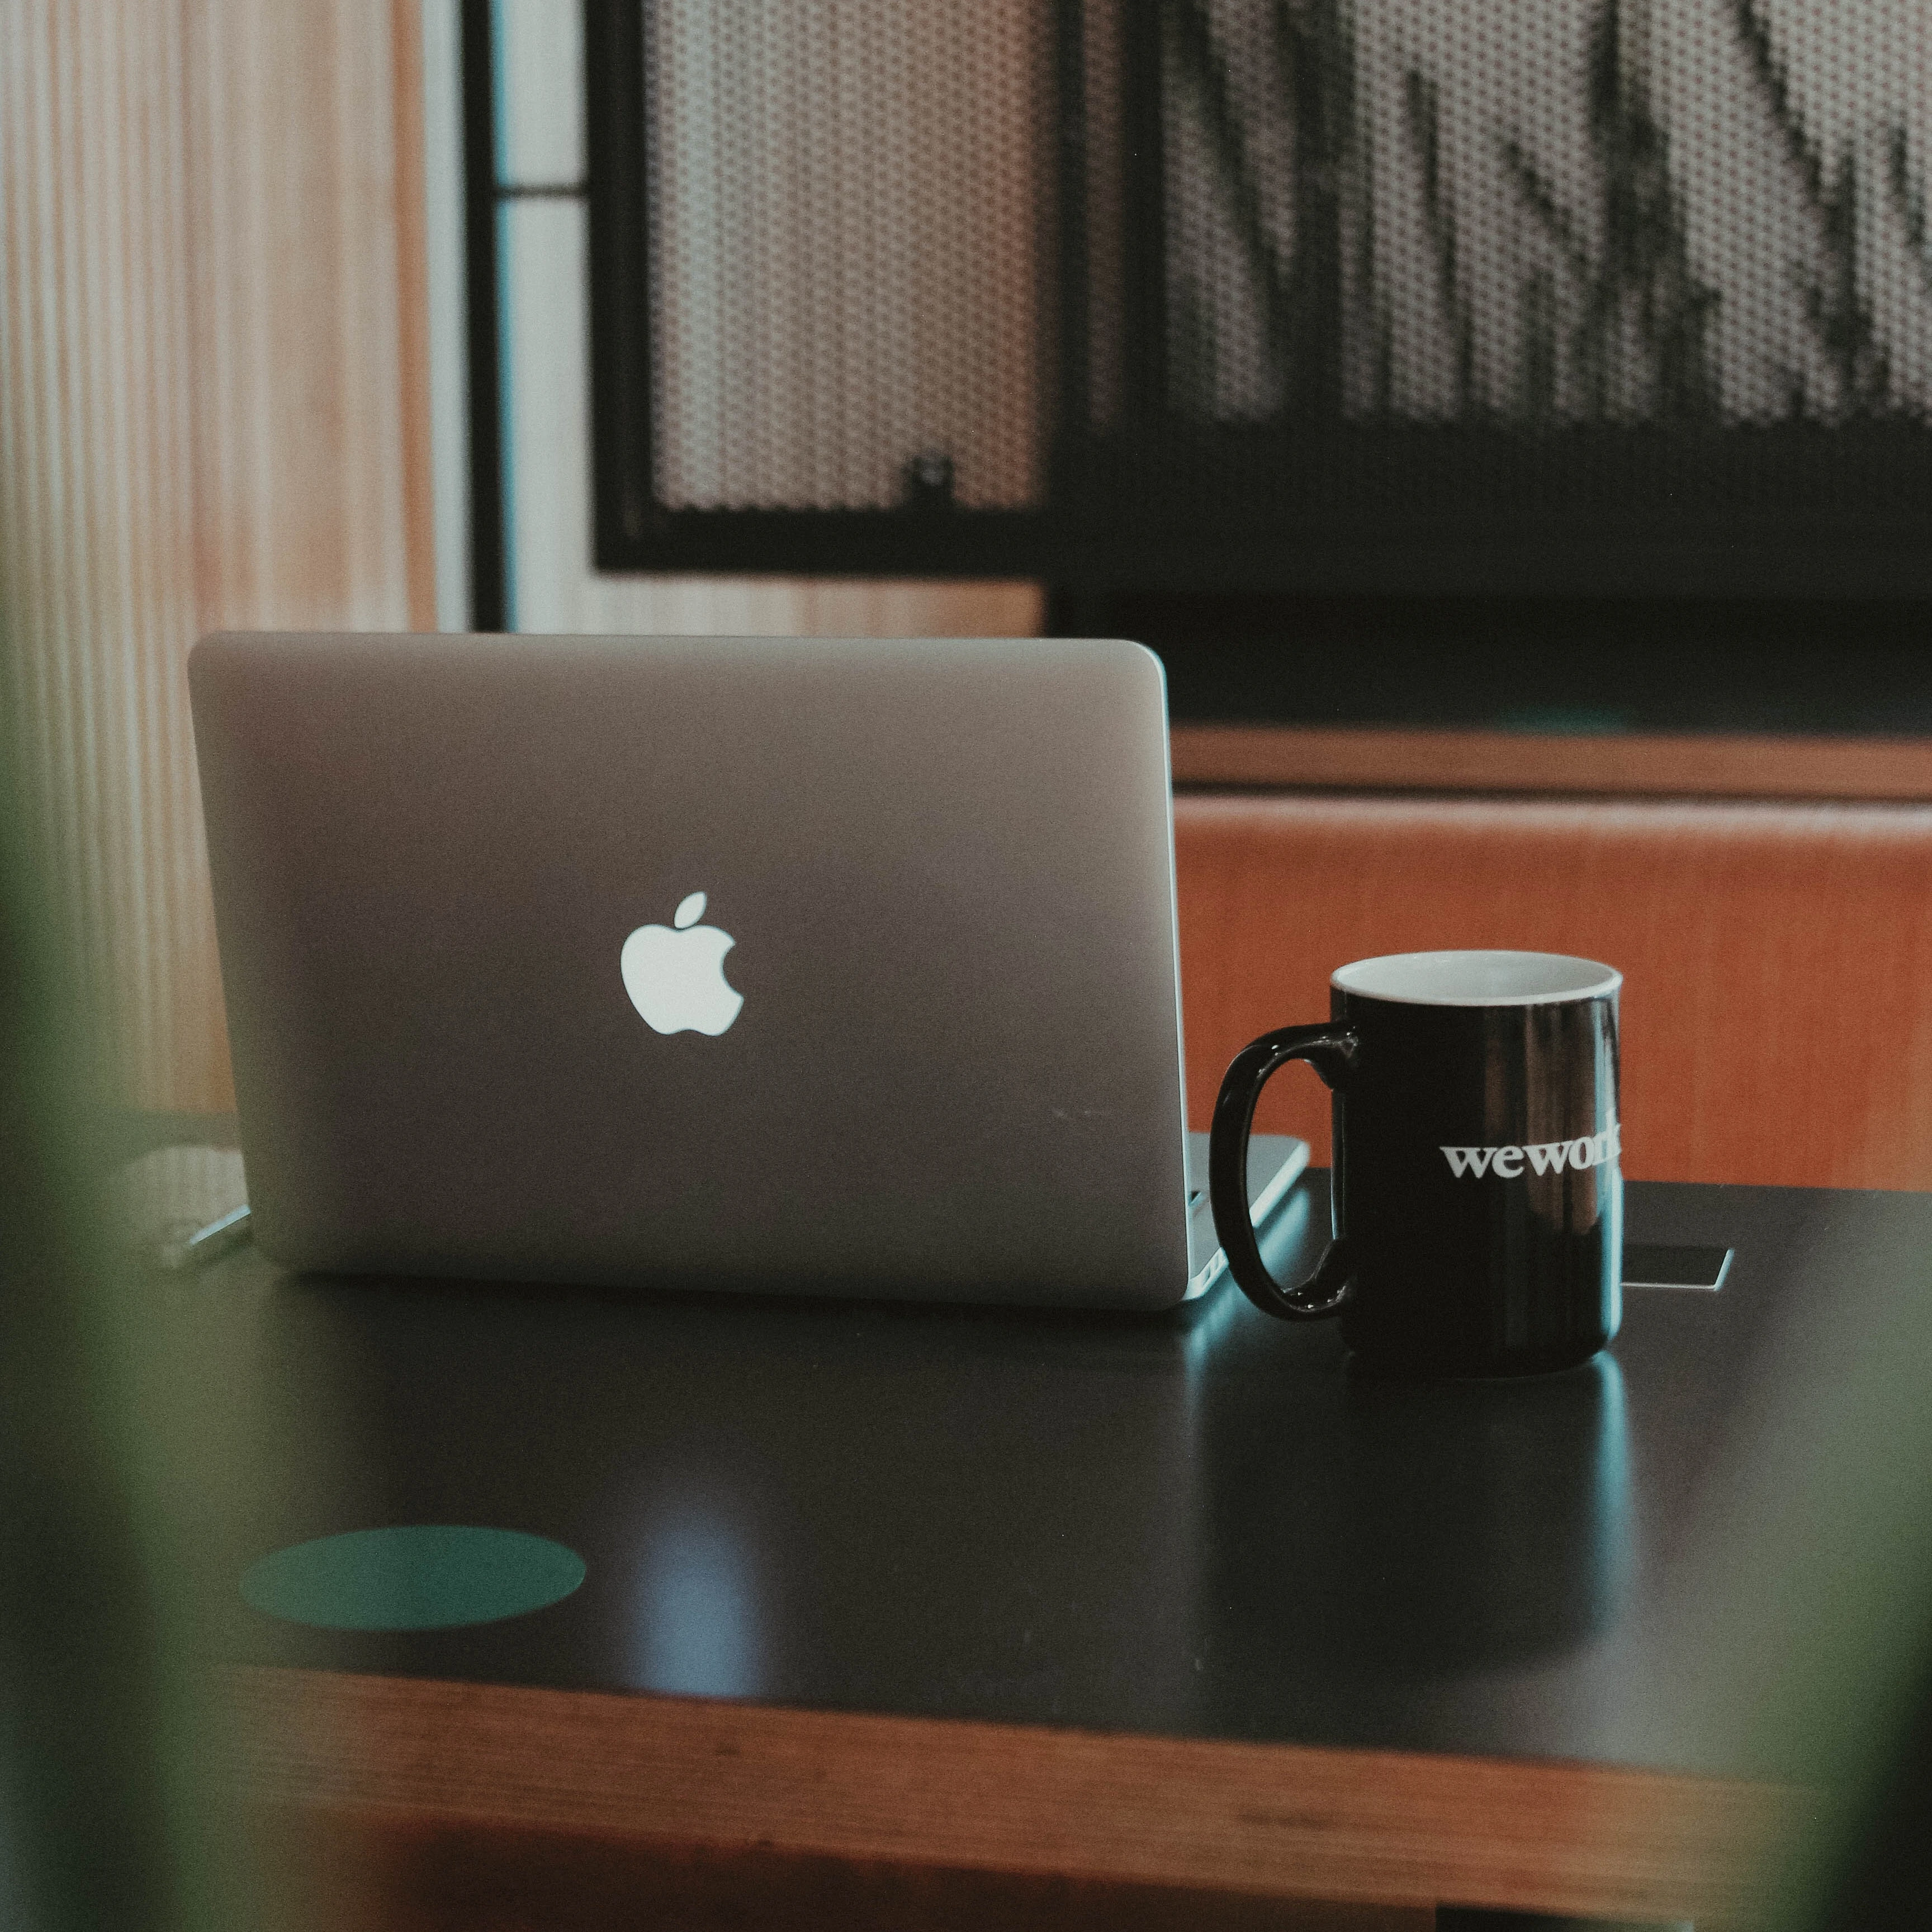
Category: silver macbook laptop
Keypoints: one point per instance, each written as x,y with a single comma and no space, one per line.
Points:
812,965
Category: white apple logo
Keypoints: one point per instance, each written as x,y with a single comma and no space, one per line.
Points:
676,979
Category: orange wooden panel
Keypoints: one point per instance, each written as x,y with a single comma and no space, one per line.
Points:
1777,1001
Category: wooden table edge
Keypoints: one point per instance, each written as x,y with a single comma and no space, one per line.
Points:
1664,764
404,1756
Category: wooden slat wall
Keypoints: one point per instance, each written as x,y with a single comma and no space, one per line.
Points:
302,500
206,390
97,524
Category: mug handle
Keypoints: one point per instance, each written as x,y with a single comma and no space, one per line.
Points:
1330,1049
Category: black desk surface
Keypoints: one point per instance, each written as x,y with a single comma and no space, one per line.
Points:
1202,1525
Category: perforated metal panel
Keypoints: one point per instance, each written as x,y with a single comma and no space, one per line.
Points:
1294,293
1548,211
844,199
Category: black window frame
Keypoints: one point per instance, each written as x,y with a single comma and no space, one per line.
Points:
1119,513
632,530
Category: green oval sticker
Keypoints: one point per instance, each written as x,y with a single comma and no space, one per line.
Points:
413,1576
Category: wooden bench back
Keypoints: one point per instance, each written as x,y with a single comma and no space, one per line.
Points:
1776,1008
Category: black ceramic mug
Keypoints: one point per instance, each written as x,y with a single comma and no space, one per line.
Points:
1478,1200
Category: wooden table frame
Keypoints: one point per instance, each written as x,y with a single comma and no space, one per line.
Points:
413,1793
1614,764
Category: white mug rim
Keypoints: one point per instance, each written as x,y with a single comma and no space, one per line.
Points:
1547,979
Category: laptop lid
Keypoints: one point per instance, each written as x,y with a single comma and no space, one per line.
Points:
820,965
